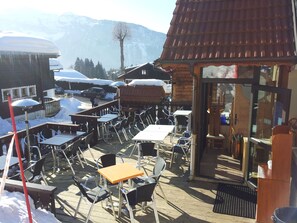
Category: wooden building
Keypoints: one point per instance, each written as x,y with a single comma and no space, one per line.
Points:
256,36
145,71
24,69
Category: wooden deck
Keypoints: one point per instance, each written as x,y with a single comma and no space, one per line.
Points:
187,201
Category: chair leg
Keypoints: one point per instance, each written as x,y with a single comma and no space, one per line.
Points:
89,148
164,196
89,214
76,210
78,157
132,220
43,178
118,135
82,154
155,210
134,147
171,160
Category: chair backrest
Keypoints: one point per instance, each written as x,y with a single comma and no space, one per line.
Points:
187,134
107,160
142,193
147,149
164,121
86,141
38,167
183,141
78,183
182,120
159,167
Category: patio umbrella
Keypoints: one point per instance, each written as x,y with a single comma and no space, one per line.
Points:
26,104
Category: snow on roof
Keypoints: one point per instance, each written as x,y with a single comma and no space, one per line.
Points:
69,73
55,64
148,82
12,42
77,77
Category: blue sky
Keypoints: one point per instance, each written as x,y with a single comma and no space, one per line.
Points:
153,14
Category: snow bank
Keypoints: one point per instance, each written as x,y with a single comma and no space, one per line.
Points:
13,209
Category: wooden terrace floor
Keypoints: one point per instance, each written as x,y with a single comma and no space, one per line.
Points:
187,201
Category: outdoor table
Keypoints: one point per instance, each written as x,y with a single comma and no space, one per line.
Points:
58,141
186,113
154,133
118,174
103,120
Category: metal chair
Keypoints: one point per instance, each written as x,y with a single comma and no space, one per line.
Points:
181,122
33,173
146,152
107,160
142,195
85,144
94,195
164,121
182,147
70,153
159,167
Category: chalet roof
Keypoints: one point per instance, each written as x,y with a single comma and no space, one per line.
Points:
19,43
153,72
224,32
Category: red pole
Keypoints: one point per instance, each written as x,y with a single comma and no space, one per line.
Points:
20,158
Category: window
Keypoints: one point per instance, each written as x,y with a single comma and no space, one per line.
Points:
143,72
15,93
25,92
32,91
19,92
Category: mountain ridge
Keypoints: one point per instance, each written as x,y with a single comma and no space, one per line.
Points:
84,37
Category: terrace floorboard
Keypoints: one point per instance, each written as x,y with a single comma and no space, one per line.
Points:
187,201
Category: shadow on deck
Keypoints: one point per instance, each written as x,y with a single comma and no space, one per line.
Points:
188,201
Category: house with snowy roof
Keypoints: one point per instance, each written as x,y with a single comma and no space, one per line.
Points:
145,71
25,69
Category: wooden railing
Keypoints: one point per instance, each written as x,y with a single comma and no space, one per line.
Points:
42,195
69,128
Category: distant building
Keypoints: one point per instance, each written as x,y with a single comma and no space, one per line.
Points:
145,71
24,68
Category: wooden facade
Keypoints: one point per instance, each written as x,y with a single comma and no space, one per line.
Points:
21,71
201,35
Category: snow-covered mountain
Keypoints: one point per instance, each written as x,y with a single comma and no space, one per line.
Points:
83,37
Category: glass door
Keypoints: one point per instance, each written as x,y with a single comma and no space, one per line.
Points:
270,107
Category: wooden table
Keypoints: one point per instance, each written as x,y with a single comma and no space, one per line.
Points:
118,174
